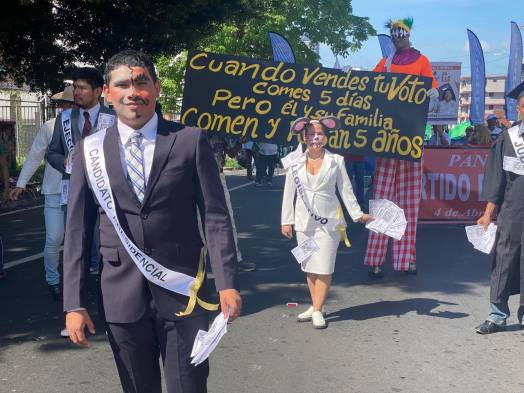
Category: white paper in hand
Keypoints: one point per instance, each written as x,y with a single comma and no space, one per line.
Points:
64,191
105,120
305,249
292,158
388,218
206,342
482,240
69,162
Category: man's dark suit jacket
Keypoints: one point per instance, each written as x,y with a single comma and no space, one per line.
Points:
57,150
183,175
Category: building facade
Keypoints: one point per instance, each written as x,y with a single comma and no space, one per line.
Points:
494,96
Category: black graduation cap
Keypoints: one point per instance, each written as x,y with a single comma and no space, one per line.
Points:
517,93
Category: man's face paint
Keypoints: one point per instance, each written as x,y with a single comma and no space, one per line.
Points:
400,38
133,94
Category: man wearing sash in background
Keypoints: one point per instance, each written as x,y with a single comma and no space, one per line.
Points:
146,190
75,124
399,181
503,188
53,213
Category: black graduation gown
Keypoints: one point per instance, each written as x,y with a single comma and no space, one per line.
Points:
506,190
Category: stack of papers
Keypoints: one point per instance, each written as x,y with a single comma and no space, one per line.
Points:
206,342
388,218
482,240
305,249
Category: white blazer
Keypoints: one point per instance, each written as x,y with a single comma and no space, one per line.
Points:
320,194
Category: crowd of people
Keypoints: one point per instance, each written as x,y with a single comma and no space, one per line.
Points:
480,135
139,220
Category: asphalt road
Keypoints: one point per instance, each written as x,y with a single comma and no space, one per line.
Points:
397,334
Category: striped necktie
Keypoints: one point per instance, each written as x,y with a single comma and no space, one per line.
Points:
135,166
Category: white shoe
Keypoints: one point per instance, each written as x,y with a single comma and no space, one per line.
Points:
64,333
306,315
318,320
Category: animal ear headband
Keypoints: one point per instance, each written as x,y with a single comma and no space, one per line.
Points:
329,123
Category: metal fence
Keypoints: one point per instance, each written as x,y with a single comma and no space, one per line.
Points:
28,117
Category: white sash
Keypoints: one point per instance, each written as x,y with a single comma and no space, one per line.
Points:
105,120
68,138
97,173
327,224
302,195
517,142
512,164
67,129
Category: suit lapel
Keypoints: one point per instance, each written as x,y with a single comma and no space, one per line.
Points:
122,191
74,125
165,138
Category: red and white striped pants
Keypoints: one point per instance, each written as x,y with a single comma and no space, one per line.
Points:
400,182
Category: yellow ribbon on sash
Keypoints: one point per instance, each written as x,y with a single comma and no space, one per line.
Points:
193,297
342,229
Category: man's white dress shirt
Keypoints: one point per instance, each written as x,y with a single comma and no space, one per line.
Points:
147,145
52,177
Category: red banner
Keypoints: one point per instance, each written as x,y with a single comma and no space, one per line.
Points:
452,184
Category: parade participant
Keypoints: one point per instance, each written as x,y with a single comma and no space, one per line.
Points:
75,124
316,176
265,161
469,133
5,173
82,120
53,213
494,129
5,179
503,188
355,167
398,180
146,191
221,147
440,137
481,136
247,147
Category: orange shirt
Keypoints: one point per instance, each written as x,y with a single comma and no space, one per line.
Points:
421,66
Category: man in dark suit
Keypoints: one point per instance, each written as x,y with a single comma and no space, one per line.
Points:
159,173
78,122
87,89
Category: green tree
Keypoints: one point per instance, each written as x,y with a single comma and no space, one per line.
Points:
40,40
171,73
330,22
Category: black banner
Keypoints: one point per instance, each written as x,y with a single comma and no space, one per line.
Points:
382,114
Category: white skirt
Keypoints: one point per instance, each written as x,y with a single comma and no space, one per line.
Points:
322,261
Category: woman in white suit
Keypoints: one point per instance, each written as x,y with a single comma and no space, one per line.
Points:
317,212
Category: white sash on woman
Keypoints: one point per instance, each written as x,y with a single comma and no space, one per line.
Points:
302,195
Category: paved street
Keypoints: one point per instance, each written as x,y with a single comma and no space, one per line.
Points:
397,334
